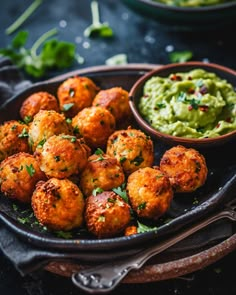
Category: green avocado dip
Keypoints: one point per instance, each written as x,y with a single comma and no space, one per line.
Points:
195,104
192,3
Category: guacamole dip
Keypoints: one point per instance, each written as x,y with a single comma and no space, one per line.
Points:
192,3
195,104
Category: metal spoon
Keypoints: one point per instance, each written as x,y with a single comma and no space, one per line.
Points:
104,278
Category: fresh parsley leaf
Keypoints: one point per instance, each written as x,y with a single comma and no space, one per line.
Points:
54,54
142,228
30,169
121,191
97,28
180,56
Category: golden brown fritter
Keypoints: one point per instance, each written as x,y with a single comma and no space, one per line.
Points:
37,101
132,148
19,174
106,214
13,138
76,93
95,125
45,124
116,100
150,192
58,204
185,167
101,171
62,156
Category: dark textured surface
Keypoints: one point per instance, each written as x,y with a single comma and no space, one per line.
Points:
144,41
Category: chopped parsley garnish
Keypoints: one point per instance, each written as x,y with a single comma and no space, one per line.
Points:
121,191
67,106
30,169
24,133
96,191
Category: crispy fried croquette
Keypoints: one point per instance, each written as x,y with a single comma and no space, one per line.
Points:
132,148
13,138
19,174
150,192
45,124
37,101
95,125
76,93
58,204
101,171
116,100
62,156
106,214
185,167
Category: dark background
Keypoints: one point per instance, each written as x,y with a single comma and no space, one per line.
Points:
144,41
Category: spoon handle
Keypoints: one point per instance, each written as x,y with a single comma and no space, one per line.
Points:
104,278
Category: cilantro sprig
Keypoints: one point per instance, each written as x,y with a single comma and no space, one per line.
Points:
97,28
53,55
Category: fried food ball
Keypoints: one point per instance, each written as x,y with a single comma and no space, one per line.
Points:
101,171
132,148
37,101
19,174
13,138
61,156
76,93
185,167
45,124
106,214
150,192
95,125
58,204
116,100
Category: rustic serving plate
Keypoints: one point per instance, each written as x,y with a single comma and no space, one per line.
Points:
187,209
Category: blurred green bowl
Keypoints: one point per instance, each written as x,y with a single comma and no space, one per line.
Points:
207,17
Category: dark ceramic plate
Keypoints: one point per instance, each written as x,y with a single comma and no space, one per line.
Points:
186,209
208,17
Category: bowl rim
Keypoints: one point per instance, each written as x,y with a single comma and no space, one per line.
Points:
171,138
210,8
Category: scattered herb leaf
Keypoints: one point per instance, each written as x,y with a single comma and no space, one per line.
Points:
180,56
54,54
97,28
142,228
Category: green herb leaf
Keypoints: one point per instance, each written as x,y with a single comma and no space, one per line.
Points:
30,169
97,28
96,191
121,191
142,228
54,54
180,56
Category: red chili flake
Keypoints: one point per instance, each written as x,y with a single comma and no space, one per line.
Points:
175,77
146,96
190,78
203,108
229,120
191,90
218,125
190,107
